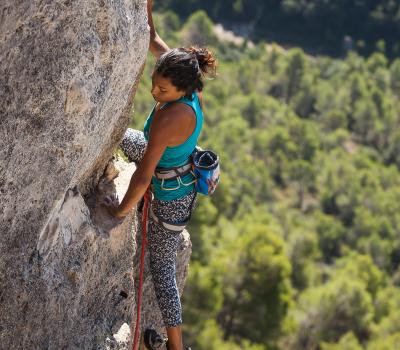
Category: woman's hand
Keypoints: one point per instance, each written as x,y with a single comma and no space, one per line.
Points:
106,215
111,204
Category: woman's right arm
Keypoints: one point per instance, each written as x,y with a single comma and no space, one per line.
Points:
157,45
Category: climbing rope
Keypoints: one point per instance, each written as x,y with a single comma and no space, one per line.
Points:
145,215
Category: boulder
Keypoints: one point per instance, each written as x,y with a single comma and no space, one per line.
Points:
68,75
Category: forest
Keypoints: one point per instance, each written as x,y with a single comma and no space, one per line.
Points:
323,26
299,247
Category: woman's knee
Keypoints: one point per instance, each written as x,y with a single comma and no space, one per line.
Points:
133,145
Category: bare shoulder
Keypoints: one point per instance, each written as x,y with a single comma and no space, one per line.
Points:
176,113
175,122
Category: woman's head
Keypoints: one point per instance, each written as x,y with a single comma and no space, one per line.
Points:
179,72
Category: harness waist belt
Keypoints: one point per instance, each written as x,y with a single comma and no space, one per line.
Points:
171,173
167,225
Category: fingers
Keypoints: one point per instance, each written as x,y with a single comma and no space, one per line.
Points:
107,200
111,200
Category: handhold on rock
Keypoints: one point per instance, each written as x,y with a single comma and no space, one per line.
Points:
102,219
111,172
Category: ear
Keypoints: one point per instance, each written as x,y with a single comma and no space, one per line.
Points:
182,92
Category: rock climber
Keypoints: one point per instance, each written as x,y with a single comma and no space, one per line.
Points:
168,139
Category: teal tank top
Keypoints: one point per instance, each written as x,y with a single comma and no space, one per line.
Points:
177,155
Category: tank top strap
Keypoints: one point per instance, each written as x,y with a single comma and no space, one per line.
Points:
185,100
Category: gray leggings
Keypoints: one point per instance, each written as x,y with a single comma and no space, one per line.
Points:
163,244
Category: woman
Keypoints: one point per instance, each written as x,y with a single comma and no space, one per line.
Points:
170,136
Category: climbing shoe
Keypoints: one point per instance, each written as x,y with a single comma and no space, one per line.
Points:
152,340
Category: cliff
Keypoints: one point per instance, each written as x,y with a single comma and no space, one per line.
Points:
68,75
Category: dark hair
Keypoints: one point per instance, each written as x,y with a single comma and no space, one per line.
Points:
185,67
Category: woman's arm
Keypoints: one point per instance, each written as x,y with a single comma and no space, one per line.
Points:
142,176
157,45
163,132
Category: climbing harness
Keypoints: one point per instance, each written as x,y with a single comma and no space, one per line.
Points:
145,213
175,227
174,173
170,226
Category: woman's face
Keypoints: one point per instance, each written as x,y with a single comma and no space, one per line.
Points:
163,90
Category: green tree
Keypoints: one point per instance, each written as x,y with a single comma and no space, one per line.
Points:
395,76
302,173
303,252
348,342
331,236
391,342
256,283
198,30
295,73
332,310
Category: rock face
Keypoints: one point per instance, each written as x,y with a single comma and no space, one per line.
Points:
68,74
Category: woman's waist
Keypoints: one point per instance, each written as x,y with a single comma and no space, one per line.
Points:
173,188
176,182
171,161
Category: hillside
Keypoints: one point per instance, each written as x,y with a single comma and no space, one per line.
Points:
299,248
328,27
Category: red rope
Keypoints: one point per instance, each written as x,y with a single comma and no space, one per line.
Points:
147,197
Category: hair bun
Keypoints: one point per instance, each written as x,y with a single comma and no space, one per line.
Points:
207,62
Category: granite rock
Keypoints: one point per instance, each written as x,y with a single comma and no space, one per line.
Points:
68,74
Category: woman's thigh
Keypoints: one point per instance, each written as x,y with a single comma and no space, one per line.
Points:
177,210
164,243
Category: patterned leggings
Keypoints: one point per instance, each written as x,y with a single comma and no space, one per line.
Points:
163,244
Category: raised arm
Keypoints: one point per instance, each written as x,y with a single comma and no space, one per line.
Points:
157,45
